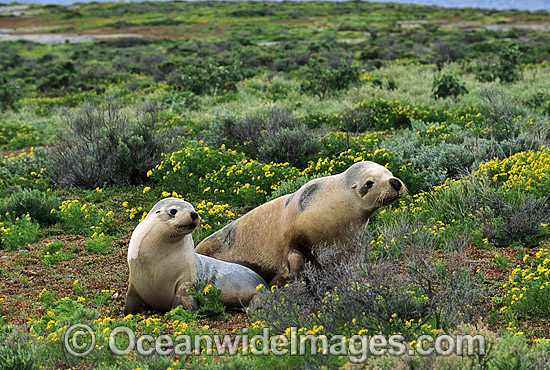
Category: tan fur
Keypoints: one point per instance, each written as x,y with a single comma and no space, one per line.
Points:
277,237
163,264
161,257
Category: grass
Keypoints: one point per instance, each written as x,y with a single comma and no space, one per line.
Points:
274,41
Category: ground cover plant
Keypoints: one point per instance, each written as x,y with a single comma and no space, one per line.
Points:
232,104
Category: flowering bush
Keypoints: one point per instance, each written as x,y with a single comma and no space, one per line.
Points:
23,170
16,233
98,243
524,172
222,174
247,182
208,297
214,216
18,135
387,114
527,287
84,218
182,170
55,254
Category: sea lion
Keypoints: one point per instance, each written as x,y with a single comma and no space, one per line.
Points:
276,238
163,264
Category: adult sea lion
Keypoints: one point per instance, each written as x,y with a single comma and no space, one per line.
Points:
277,237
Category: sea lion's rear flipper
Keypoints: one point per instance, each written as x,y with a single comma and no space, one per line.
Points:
134,303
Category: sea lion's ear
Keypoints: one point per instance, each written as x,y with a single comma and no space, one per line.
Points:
354,186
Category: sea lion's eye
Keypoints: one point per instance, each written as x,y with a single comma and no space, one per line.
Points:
173,211
369,184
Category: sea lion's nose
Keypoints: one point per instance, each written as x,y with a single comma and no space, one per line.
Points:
396,184
194,215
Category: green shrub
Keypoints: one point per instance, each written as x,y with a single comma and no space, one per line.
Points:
179,102
10,92
55,253
84,218
181,314
102,147
18,135
473,208
447,84
208,297
220,174
212,77
507,69
317,120
386,114
248,182
277,90
484,75
37,204
412,179
20,356
501,262
527,286
537,100
322,80
23,171
527,172
334,143
183,170
16,232
98,243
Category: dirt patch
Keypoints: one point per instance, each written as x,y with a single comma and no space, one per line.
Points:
61,38
534,26
18,10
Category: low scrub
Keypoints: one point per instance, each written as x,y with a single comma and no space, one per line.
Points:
357,290
101,146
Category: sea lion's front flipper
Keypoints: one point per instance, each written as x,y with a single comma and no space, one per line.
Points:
134,303
183,298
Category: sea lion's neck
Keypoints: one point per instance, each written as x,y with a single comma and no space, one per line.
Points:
172,248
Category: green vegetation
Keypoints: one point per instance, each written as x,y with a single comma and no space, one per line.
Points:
232,104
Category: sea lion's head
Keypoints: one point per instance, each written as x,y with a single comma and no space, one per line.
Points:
174,217
373,185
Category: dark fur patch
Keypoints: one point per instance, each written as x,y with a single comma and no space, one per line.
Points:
302,244
229,235
289,199
306,196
